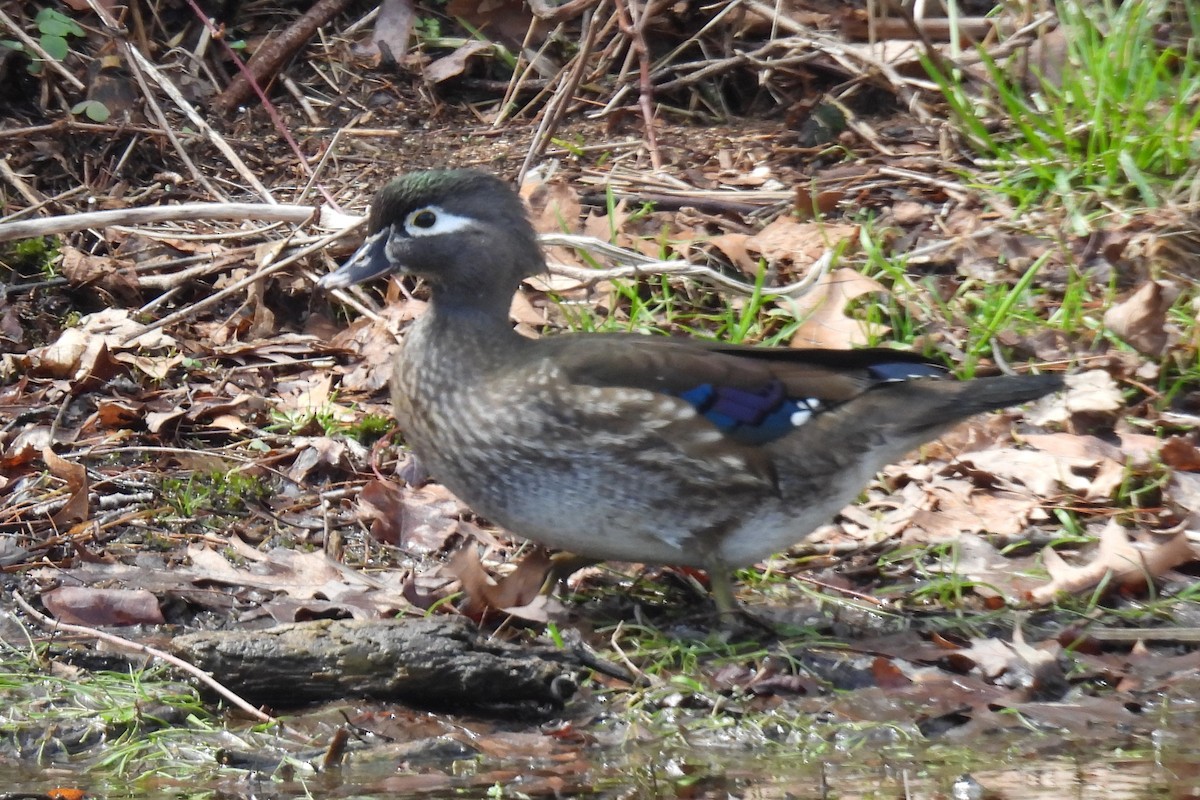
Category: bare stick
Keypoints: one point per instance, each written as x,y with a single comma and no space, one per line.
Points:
635,29
181,151
52,226
644,265
561,100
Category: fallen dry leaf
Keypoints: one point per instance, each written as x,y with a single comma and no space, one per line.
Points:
452,66
383,503
83,605
822,311
517,594
1001,513
1093,392
75,476
734,246
94,350
393,27
1042,473
1180,453
422,520
1087,464
790,241
1141,318
1119,560
315,451
111,274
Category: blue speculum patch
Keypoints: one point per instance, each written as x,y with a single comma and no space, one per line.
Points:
747,416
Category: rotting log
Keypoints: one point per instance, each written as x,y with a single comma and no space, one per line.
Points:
431,663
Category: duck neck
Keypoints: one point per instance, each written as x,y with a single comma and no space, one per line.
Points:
472,335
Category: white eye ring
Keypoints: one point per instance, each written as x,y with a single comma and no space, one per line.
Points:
433,221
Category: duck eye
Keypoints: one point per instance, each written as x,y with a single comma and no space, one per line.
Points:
424,218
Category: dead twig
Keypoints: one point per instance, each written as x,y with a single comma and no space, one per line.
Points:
638,265
634,27
270,57
31,195
68,223
556,109
134,56
567,11
181,151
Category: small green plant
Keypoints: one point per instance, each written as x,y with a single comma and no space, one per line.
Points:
574,146
428,28
55,27
329,419
214,492
325,420
370,428
54,32
937,579
93,110
134,719
31,256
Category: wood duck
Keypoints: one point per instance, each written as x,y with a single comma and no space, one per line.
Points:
627,447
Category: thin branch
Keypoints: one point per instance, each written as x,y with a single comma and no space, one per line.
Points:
68,223
644,265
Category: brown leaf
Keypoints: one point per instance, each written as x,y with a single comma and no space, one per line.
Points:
1180,453
801,243
375,343
1184,490
517,594
509,19
24,449
114,413
84,354
1141,318
1118,560
1092,393
1004,514
554,205
733,245
393,27
383,503
75,475
1043,473
81,605
452,66
307,579
887,674
111,274
1086,464
822,312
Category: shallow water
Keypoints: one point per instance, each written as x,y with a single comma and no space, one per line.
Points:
1033,768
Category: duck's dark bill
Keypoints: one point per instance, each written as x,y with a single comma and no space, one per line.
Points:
369,261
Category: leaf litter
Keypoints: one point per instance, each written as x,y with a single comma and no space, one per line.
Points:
105,415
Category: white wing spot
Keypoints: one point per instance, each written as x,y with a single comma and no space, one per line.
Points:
800,417
806,408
